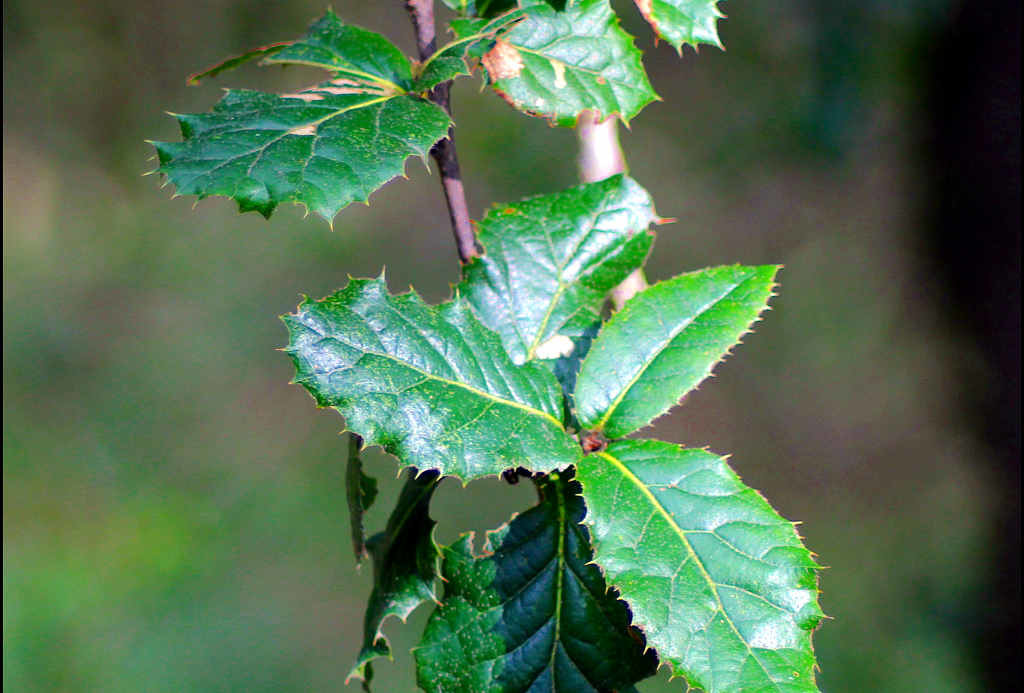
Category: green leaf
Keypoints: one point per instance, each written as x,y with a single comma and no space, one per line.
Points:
664,342
549,261
558,64
323,147
679,22
405,567
449,61
720,583
332,45
531,613
360,492
431,385
566,369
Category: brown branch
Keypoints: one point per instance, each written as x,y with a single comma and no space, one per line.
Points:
422,14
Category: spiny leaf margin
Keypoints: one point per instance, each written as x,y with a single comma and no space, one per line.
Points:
406,565
323,147
558,64
550,260
683,22
664,342
720,584
430,384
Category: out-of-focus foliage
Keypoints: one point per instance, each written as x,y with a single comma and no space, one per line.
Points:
174,517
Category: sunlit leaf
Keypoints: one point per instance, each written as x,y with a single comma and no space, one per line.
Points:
323,147
549,261
720,584
431,385
664,342
558,64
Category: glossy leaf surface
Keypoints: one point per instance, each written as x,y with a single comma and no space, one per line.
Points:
530,614
557,64
720,583
430,384
406,564
323,147
549,261
664,342
680,22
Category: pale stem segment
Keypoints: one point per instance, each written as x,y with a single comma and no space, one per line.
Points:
601,156
422,14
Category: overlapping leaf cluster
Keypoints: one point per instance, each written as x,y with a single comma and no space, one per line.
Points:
638,552
337,141
717,584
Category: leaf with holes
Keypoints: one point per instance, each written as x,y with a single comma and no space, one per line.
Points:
664,342
430,384
690,22
532,613
557,64
720,583
549,261
405,567
323,147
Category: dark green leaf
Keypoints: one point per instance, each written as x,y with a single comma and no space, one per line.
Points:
679,22
720,583
532,613
360,492
405,567
323,147
664,342
431,385
549,261
558,64
566,369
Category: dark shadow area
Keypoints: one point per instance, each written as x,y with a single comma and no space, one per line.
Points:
974,155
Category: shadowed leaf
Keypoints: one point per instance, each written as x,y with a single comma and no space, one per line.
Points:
405,567
531,614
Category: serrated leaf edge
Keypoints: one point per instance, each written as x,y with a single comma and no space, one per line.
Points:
358,670
370,443
709,372
675,672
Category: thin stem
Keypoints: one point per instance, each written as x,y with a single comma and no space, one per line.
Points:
600,157
422,14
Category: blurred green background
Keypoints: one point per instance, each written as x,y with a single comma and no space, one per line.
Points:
174,513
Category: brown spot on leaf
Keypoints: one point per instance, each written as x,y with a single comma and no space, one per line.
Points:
503,61
309,130
304,95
